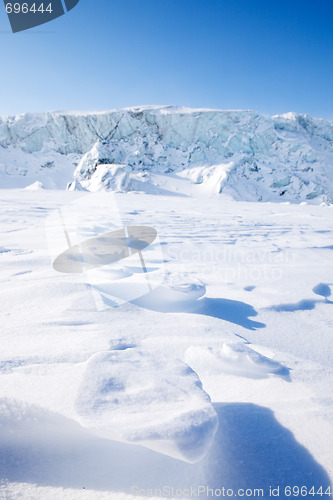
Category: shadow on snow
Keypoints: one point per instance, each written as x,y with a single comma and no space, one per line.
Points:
251,450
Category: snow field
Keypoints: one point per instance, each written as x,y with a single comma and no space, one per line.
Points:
229,386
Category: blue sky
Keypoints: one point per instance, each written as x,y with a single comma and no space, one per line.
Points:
270,56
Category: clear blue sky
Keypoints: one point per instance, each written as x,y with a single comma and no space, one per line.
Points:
272,56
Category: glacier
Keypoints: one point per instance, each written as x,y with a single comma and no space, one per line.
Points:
243,155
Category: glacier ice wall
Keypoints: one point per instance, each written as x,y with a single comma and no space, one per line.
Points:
240,153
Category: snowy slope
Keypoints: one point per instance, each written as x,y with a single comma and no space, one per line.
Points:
242,154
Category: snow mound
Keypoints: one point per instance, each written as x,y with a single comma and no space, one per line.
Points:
101,169
109,178
36,186
213,179
233,358
157,402
176,291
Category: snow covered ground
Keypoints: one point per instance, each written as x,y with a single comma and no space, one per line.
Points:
221,377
